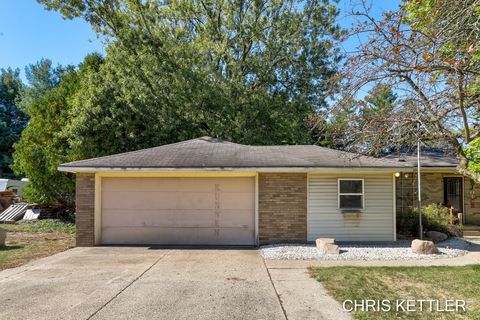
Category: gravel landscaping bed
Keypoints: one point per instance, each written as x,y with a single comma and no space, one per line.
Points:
399,250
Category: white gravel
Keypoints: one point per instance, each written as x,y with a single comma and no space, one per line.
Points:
399,250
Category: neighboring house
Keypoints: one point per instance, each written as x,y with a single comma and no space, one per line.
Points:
209,191
16,186
441,183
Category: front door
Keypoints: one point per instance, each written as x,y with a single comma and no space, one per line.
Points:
453,193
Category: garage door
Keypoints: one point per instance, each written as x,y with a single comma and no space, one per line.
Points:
184,211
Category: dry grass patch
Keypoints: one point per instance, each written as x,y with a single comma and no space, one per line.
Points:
398,283
30,241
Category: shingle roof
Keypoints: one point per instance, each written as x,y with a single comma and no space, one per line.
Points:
206,152
428,158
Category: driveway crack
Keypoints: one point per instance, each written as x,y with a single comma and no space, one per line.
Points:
127,286
275,289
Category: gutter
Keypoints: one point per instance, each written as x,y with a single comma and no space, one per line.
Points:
235,169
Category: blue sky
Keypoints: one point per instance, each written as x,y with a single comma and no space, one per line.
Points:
28,33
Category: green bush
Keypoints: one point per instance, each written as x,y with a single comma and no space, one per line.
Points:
435,217
407,223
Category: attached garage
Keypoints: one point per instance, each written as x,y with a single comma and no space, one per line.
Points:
207,191
178,211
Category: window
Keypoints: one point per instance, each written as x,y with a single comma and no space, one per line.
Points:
350,193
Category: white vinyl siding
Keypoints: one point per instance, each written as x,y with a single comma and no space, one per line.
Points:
375,222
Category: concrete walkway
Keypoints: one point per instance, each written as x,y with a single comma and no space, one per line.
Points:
303,297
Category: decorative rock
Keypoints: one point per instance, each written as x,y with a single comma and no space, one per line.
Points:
321,241
3,236
327,246
436,236
424,247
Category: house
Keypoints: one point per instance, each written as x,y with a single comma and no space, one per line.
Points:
440,183
214,192
16,186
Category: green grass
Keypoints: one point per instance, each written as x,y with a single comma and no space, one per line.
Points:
28,241
392,283
48,225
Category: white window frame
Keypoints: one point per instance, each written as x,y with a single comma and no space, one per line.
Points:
351,194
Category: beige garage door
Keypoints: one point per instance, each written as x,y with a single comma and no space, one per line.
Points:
184,211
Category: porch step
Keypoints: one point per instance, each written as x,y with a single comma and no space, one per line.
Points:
471,233
471,227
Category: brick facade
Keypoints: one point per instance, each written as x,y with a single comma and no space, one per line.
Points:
432,192
85,203
282,207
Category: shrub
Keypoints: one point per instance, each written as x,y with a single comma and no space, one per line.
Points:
407,223
435,217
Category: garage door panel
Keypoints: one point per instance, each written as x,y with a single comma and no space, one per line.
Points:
154,218
237,201
175,236
157,200
235,218
235,185
140,184
177,218
178,211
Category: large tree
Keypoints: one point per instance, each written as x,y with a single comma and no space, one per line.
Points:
247,71
48,101
12,119
427,51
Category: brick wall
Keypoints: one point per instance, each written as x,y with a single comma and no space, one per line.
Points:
282,210
85,203
432,192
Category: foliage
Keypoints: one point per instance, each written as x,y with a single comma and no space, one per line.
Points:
426,52
407,223
12,119
435,217
392,283
245,71
47,225
44,143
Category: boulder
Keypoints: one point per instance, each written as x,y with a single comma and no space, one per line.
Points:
320,241
327,246
3,236
424,247
436,236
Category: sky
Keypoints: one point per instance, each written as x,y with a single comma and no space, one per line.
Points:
29,33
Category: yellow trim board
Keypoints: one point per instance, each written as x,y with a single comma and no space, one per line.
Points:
193,174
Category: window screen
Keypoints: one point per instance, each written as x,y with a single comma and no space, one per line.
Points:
350,194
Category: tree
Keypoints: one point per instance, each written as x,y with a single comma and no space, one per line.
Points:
45,143
12,119
433,69
246,71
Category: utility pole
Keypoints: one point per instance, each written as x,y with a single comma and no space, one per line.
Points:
420,226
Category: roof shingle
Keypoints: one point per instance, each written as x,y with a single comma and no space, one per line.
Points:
207,152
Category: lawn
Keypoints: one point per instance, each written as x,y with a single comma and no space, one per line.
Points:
28,241
400,283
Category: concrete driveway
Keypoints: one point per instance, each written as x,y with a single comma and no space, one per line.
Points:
146,283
